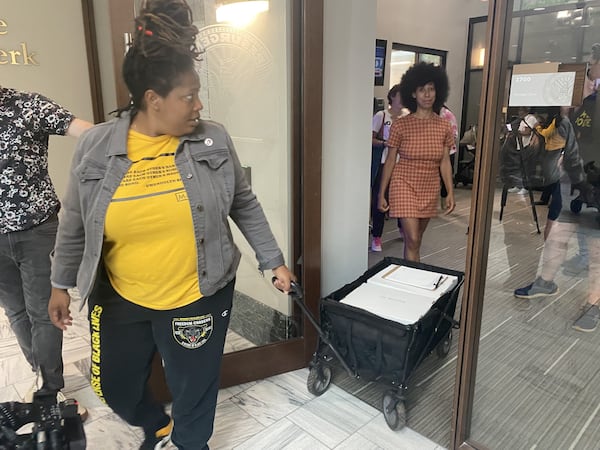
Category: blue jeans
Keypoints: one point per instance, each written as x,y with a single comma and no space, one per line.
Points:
24,294
552,192
378,217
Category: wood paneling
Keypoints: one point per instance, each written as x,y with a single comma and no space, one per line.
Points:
89,29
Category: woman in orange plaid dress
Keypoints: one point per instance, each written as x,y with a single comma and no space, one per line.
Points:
422,140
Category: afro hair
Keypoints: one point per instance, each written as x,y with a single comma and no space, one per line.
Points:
419,75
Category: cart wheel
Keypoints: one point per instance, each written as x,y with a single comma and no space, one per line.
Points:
394,410
576,206
319,379
443,348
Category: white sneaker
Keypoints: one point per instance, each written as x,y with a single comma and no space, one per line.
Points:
522,191
512,190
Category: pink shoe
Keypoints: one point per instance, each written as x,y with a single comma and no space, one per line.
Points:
376,244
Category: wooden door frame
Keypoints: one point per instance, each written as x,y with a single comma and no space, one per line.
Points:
482,203
91,47
307,78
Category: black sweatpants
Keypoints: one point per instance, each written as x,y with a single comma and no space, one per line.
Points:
190,340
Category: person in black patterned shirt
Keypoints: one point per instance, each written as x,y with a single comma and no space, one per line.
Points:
28,223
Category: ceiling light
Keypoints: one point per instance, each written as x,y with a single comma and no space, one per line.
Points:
241,13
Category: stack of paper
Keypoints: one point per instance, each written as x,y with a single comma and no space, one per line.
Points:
401,293
392,304
417,281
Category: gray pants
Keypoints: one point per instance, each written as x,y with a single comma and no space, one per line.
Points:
24,293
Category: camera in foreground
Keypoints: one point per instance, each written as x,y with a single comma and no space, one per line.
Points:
56,426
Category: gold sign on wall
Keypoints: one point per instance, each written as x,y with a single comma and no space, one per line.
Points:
15,57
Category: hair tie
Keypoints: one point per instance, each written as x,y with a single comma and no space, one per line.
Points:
146,32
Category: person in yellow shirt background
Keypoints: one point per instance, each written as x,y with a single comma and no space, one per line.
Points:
547,127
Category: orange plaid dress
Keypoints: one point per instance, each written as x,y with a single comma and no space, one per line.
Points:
415,183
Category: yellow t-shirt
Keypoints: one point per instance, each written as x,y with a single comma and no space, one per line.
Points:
149,244
554,141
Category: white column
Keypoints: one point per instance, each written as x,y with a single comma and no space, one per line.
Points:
348,66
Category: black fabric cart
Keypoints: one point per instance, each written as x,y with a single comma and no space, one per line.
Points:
374,348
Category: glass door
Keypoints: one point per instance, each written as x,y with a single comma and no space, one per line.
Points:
247,85
530,355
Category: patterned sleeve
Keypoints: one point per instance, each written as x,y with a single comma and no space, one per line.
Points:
449,138
50,116
450,117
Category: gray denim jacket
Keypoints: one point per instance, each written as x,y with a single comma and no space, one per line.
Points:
216,188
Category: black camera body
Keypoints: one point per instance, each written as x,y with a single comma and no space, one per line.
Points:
56,426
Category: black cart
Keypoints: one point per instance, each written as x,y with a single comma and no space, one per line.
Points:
374,348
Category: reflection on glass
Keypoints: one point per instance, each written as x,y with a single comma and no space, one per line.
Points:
242,13
244,76
592,33
478,37
547,38
400,61
542,4
431,59
536,36
539,358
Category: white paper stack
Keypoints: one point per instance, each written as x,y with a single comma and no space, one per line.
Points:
417,281
400,293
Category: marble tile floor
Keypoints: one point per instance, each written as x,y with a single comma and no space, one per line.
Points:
275,413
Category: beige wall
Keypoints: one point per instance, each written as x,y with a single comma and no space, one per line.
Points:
53,36
349,40
442,25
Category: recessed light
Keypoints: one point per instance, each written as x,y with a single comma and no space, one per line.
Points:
547,52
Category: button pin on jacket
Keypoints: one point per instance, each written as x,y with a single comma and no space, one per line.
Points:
208,142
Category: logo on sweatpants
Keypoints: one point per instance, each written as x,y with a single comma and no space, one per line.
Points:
192,332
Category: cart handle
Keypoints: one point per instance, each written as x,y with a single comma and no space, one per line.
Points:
296,289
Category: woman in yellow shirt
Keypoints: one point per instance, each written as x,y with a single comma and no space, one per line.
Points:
145,237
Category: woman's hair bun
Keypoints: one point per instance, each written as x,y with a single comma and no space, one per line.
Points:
165,26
